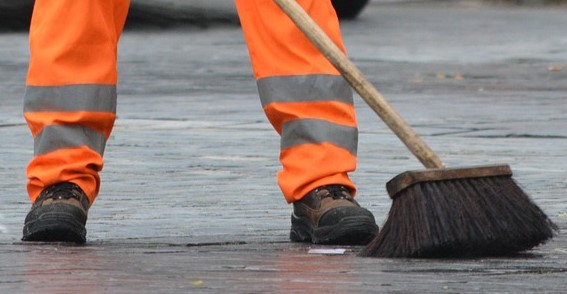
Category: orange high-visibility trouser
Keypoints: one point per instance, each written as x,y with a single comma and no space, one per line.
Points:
70,99
309,104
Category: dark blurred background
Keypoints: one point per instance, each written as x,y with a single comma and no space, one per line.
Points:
15,15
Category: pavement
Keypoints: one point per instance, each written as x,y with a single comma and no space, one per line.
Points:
189,201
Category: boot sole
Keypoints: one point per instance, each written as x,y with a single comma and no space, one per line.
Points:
355,230
55,223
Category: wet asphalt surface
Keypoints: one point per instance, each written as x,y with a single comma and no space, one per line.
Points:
189,201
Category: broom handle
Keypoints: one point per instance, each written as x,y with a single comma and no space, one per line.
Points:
362,86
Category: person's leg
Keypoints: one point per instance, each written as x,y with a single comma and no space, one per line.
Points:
311,106
70,105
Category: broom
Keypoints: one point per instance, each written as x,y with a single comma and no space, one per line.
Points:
438,212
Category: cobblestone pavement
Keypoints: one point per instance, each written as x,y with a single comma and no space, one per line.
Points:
189,201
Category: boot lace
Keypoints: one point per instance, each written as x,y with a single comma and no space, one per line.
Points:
335,192
65,190
62,191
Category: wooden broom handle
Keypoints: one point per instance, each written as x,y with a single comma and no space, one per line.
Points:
361,85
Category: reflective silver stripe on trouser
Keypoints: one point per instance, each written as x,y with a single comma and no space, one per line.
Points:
310,88
69,98
309,131
304,88
55,137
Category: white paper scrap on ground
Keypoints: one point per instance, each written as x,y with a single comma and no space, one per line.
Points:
336,251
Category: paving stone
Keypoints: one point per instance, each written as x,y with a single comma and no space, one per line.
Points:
189,201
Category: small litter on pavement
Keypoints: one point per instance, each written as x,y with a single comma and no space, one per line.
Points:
333,251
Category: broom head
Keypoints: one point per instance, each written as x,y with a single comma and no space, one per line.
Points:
463,212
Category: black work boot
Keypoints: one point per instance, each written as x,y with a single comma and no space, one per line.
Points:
329,215
58,215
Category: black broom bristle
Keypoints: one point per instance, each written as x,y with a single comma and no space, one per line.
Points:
473,217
